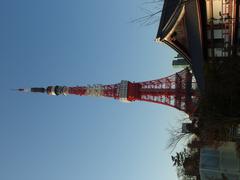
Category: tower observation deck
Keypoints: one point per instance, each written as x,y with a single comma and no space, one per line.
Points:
178,90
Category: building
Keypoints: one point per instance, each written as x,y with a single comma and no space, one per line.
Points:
222,28
179,62
220,163
201,31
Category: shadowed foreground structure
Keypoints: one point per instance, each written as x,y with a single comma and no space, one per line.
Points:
207,34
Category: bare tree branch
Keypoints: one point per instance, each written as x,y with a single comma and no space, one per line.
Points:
175,137
153,16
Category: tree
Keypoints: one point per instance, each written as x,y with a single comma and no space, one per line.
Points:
187,164
179,158
152,14
175,136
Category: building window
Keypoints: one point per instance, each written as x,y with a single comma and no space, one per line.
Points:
210,159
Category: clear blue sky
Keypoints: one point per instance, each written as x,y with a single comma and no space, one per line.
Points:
77,42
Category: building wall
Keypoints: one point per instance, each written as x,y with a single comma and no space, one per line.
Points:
220,162
221,28
238,29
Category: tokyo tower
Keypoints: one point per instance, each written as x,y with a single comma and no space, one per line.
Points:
178,90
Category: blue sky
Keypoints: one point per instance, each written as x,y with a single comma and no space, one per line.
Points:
72,42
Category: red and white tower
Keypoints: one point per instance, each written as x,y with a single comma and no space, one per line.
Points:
178,90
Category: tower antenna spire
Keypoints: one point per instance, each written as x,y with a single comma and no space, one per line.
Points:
34,89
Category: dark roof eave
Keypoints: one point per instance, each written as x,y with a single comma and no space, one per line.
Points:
163,31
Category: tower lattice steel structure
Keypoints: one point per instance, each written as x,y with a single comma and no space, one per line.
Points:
178,90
